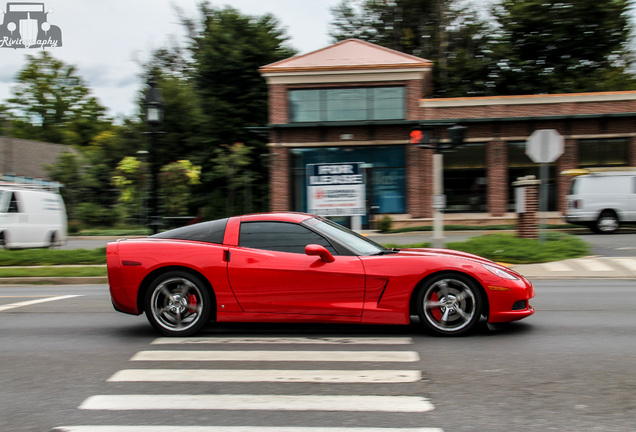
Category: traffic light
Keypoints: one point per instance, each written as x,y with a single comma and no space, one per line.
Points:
421,136
457,134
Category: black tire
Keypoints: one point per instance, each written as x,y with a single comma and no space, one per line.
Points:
449,304
3,242
607,223
178,303
52,240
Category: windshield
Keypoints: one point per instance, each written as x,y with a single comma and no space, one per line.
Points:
361,245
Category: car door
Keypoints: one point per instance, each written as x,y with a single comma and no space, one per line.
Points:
14,221
270,273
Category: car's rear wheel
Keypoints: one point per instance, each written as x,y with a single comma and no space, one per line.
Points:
449,304
178,304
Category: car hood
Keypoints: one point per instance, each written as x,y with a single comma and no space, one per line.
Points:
444,253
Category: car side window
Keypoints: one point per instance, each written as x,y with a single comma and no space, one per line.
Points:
280,236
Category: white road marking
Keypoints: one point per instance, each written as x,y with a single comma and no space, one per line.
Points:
628,263
234,429
285,341
323,356
271,402
594,265
557,267
32,302
267,375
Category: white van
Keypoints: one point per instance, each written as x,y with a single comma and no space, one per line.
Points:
31,217
602,200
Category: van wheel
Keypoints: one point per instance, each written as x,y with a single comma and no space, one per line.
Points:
2,241
607,223
53,240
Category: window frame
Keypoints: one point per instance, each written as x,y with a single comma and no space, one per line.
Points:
326,108
325,241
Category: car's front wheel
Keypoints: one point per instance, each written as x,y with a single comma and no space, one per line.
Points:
178,304
449,304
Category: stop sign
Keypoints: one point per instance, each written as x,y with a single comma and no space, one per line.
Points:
544,146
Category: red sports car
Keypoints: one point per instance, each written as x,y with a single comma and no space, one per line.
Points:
293,267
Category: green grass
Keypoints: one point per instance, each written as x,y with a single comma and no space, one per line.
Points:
36,257
508,248
53,272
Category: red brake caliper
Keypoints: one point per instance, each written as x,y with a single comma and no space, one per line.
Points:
192,303
436,311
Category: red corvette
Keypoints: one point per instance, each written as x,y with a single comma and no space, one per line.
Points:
293,267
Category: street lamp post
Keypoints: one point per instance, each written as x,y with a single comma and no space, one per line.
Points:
154,116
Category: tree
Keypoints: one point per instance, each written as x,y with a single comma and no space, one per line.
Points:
447,32
130,179
557,46
227,49
231,166
213,93
176,179
56,101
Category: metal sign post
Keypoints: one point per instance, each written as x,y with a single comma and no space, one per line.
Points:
439,200
544,146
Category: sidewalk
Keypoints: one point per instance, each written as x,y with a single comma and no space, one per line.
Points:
581,268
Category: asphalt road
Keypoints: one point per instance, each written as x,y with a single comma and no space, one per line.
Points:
68,361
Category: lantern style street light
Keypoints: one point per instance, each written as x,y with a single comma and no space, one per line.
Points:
154,115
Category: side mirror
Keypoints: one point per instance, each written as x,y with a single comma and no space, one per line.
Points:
321,251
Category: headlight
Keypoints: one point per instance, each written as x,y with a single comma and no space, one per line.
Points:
11,27
46,26
499,272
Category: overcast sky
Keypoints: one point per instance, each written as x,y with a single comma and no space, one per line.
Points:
106,39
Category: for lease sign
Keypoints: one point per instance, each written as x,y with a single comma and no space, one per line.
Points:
336,189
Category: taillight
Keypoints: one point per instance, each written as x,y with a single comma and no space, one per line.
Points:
576,204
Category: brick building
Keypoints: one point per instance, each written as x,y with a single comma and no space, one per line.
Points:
357,102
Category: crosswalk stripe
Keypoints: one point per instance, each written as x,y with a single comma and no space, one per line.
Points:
594,265
113,428
237,402
322,356
628,263
557,267
267,375
285,341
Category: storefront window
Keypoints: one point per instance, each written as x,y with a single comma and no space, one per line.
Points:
465,184
346,104
604,153
384,174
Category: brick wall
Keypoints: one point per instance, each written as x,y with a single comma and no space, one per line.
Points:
419,182
497,172
279,179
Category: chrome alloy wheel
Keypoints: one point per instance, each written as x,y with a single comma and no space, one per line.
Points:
177,305
449,305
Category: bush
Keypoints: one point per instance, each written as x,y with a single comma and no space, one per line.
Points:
384,224
91,214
